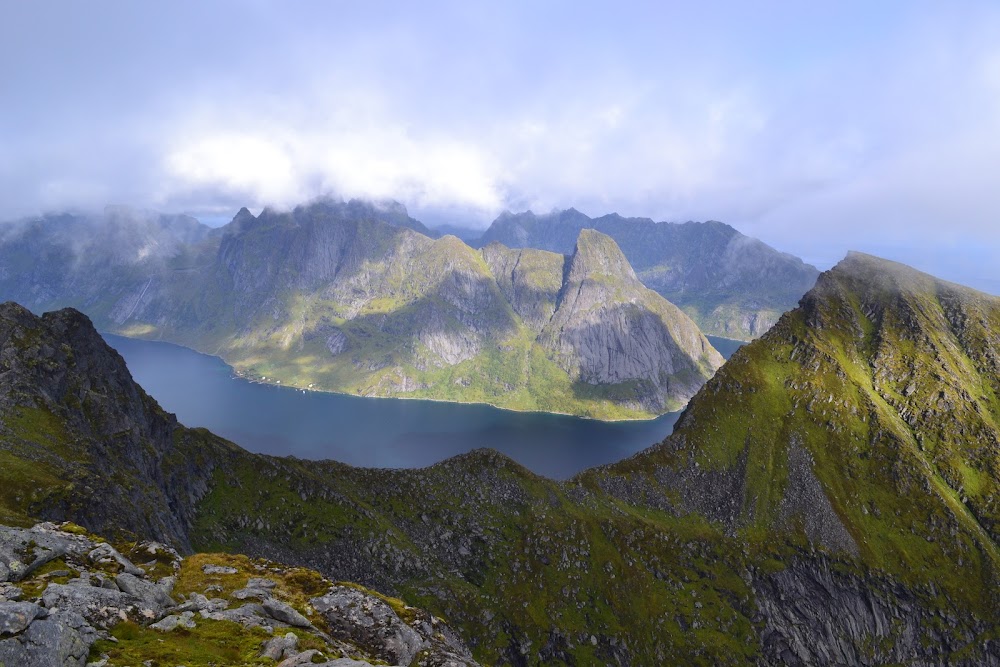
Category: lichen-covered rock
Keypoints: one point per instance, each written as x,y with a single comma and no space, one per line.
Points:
22,551
370,622
60,639
100,606
16,616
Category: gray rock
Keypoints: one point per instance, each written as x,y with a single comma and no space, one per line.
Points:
173,621
252,593
250,615
198,602
24,551
10,592
63,639
304,658
154,594
255,582
105,553
369,623
218,569
101,607
279,648
16,616
280,611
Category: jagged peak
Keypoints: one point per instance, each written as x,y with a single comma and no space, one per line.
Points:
597,254
11,310
244,215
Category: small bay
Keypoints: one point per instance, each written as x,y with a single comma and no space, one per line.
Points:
373,432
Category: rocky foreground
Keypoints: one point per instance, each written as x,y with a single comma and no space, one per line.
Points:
69,598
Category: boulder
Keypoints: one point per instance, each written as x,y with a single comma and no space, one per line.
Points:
279,648
280,611
61,639
16,616
102,607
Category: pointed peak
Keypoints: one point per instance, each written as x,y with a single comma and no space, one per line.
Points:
244,215
598,254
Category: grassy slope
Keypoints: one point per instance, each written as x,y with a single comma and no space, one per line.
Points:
898,409
488,536
511,370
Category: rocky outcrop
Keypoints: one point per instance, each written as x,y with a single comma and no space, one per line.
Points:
609,329
370,622
68,399
31,636
817,614
62,623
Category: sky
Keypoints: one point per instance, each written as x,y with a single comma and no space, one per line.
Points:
818,127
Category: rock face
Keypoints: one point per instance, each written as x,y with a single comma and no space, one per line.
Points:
349,297
368,621
829,497
731,285
69,403
816,615
609,329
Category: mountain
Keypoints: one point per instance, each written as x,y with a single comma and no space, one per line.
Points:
829,497
866,421
348,297
730,284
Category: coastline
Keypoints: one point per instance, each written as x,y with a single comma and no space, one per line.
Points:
240,375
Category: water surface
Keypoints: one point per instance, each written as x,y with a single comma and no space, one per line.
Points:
375,432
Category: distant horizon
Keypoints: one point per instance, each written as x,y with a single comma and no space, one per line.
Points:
987,285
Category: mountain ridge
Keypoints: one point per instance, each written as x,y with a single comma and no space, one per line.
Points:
732,285
348,297
777,524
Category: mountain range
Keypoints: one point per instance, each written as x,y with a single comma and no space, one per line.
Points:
731,285
830,496
353,297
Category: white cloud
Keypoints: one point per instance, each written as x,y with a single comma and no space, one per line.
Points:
816,128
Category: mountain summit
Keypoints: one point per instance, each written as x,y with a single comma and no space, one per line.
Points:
865,422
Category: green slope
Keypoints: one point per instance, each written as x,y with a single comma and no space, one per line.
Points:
829,497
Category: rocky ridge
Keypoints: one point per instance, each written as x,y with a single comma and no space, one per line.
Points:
348,297
730,284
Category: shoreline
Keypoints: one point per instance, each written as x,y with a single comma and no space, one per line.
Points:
236,374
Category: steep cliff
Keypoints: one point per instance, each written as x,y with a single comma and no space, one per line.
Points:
78,438
609,329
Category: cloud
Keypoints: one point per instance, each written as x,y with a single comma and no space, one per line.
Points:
817,128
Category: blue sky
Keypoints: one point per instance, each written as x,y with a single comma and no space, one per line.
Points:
817,127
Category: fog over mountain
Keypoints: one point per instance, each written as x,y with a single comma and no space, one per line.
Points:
814,129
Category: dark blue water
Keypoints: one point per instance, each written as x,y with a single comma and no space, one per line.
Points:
374,432
725,346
